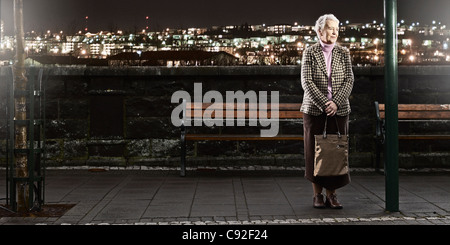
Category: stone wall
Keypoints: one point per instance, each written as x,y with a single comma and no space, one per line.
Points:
101,116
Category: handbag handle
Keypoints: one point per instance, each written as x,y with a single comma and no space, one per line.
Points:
325,128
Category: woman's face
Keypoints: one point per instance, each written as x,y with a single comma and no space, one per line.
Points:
330,32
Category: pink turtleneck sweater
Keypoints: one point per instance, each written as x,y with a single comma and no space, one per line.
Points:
327,53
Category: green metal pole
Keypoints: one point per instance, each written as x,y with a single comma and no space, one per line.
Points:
391,101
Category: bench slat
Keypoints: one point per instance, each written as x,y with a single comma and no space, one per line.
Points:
419,107
247,114
420,111
420,114
246,106
240,137
424,137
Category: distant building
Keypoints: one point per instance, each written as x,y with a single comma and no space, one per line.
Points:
173,58
279,29
64,60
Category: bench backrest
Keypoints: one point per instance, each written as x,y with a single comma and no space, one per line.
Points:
241,110
420,111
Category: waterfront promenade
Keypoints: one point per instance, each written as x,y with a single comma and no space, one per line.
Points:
207,196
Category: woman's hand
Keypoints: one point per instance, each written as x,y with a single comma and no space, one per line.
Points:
331,108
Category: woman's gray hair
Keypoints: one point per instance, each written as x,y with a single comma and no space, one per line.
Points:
320,23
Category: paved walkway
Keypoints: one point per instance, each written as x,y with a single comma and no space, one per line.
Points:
228,197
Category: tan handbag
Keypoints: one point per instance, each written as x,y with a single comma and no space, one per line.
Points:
331,153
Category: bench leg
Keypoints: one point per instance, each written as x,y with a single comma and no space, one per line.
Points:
183,154
379,148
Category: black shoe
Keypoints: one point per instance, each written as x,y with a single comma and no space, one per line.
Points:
318,201
332,202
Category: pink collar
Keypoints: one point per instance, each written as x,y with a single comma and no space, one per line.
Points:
327,48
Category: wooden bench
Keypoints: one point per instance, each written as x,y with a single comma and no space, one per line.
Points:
411,113
195,111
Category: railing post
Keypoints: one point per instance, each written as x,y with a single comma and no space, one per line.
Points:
391,103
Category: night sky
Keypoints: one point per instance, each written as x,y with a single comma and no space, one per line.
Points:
69,15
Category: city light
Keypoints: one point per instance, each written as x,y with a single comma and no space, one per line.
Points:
262,44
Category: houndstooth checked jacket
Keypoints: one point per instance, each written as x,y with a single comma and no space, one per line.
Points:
314,80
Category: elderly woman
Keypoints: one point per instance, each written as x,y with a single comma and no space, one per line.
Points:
327,81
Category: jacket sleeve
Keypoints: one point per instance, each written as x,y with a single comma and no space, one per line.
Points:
308,85
344,92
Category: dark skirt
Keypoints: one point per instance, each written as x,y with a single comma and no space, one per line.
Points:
314,125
